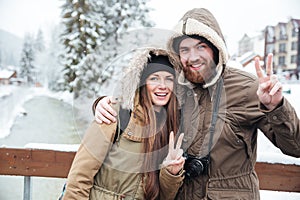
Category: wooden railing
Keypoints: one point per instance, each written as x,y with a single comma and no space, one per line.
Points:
51,163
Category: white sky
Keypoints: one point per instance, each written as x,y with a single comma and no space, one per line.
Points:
235,17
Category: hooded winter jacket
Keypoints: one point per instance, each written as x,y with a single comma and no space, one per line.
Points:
103,169
231,172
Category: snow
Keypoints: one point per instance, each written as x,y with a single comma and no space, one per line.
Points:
57,147
276,195
5,74
4,92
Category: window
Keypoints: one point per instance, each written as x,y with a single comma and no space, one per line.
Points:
282,47
293,59
281,60
294,32
294,46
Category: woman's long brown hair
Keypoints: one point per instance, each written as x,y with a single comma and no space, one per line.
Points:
156,138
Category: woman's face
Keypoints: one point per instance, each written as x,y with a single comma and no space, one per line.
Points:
160,86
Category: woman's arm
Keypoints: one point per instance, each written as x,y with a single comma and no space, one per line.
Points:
88,160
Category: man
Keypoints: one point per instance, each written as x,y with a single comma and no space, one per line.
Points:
225,146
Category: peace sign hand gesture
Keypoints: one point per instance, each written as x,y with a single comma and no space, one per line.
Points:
174,161
270,89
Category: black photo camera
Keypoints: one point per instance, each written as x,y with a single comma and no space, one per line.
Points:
195,166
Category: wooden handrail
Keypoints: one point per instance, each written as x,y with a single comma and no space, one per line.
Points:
35,162
56,164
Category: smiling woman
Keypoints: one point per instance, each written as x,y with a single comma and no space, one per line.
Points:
160,86
128,163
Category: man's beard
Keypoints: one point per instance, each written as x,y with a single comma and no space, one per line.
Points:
202,76
193,76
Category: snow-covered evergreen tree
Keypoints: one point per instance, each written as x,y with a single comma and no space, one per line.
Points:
27,68
39,44
94,27
40,57
54,69
79,37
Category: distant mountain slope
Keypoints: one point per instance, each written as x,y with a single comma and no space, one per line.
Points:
10,48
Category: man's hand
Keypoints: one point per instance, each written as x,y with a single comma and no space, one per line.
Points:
270,89
174,161
104,113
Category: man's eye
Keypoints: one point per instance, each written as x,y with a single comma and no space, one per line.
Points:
183,50
202,46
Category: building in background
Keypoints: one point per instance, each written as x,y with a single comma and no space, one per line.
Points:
6,76
283,40
254,44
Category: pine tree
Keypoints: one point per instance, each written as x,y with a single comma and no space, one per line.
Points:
39,44
94,27
40,57
78,37
27,69
54,68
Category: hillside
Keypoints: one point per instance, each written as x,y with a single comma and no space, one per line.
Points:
10,48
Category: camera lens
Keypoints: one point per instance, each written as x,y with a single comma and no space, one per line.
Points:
194,168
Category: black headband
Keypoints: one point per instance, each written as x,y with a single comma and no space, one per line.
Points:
155,64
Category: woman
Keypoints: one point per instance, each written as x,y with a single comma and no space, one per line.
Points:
122,160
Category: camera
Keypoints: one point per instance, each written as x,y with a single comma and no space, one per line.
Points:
195,166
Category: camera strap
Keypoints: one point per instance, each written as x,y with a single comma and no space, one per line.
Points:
215,114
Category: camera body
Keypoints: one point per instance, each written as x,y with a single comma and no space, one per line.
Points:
195,166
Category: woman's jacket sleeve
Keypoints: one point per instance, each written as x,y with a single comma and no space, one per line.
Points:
169,184
93,149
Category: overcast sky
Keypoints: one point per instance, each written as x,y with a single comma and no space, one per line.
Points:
236,17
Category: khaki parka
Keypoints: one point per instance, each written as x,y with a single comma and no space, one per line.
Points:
231,173
109,165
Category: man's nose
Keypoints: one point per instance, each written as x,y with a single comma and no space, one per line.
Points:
194,55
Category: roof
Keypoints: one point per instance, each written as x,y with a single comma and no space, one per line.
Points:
6,74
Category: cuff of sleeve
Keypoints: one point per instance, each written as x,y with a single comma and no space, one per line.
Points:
178,178
279,114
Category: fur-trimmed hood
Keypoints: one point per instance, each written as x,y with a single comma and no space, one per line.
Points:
201,22
132,74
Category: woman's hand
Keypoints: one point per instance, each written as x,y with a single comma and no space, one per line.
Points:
174,161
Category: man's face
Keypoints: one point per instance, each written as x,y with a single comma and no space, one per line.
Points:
197,60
